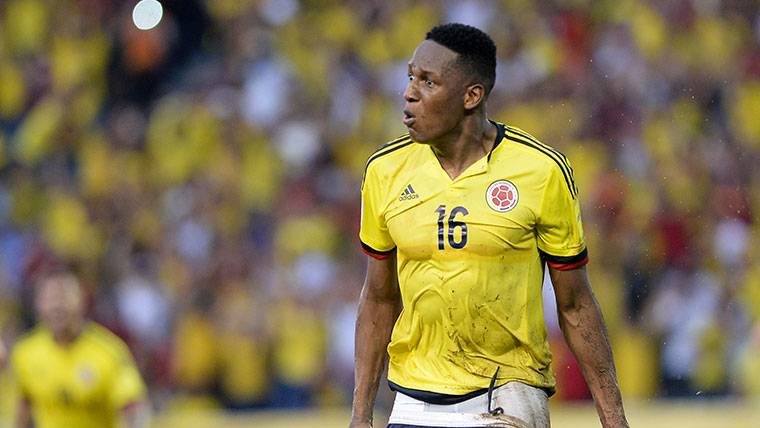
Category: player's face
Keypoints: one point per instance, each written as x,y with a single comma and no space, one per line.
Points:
434,94
60,304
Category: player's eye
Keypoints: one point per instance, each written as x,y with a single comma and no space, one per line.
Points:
429,83
409,76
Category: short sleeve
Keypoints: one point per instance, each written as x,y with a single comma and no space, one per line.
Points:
560,230
375,239
127,386
17,372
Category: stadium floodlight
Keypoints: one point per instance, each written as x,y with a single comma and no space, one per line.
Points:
147,14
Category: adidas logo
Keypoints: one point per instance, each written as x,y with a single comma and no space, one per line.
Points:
408,194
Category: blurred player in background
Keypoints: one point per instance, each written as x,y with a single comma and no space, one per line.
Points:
459,219
71,372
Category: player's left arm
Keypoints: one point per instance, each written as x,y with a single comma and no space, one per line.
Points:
585,332
23,417
128,392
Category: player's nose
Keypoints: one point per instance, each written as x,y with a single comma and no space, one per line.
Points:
410,93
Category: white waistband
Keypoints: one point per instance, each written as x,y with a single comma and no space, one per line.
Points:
524,407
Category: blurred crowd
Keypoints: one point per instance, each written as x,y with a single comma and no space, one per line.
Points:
202,178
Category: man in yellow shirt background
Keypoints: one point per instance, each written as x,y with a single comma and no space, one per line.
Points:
71,372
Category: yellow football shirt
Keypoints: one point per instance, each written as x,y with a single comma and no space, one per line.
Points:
82,385
471,254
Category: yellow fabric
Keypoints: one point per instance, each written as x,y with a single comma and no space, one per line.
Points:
649,30
223,10
36,137
743,108
749,365
67,228
260,174
711,370
299,343
82,385
98,175
296,236
472,309
636,357
242,344
195,352
13,92
180,138
68,62
25,25
29,202
243,374
7,397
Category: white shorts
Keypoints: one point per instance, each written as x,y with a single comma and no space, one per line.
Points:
524,407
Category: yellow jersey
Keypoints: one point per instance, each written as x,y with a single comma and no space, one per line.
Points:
82,385
470,258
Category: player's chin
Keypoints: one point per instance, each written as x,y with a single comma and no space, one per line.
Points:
417,136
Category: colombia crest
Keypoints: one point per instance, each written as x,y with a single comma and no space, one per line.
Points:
502,196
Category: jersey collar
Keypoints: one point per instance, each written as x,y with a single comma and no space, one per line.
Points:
481,165
499,137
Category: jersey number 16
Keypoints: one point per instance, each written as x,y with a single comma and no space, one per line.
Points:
452,226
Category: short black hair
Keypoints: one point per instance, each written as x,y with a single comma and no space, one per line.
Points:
476,49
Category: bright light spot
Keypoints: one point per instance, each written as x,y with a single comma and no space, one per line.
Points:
147,14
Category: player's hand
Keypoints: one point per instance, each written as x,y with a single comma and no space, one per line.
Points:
619,421
360,424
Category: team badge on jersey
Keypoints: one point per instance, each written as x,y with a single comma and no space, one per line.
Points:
87,375
502,196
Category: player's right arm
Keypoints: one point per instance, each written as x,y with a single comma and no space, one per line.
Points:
127,391
136,415
23,408
379,306
23,414
380,300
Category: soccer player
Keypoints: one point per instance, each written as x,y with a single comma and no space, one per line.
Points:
460,218
71,372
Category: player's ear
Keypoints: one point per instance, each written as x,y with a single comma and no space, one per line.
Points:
474,95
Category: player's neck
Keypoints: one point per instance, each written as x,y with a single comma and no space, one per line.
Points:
68,335
469,142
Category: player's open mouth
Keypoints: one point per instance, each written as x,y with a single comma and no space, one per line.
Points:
408,118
